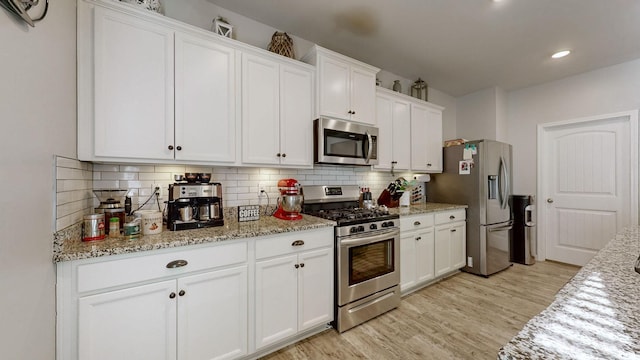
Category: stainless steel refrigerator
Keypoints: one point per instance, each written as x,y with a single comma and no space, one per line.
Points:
482,180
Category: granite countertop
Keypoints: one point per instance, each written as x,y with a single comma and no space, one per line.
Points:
68,246
425,208
595,316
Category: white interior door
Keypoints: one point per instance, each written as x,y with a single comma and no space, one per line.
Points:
588,173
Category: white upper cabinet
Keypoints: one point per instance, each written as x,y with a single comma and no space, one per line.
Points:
346,87
132,90
277,112
205,100
426,138
394,124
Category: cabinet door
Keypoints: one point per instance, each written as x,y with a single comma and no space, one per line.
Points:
296,116
424,252
133,87
433,141
315,284
260,110
442,247
212,315
458,234
402,133
363,95
205,121
407,261
419,131
334,88
134,323
384,119
276,299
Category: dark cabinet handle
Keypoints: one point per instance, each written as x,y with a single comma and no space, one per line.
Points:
284,155
451,217
177,264
181,293
296,266
419,238
170,147
179,148
301,264
416,223
278,155
453,230
428,165
297,243
172,295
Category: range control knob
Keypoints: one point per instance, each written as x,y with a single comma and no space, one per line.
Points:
360,228
373,226
384,224
353,229
388,224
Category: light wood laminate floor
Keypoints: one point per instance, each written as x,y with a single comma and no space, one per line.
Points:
462,317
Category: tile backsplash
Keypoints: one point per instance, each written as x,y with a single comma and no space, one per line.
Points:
239,184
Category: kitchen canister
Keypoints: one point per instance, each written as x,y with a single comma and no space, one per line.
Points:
151,221
93,227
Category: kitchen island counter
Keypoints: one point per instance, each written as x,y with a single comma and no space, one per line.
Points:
68,246
594,316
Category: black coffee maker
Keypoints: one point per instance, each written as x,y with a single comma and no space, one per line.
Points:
194,205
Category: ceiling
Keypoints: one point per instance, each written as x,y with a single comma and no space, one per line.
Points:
462,46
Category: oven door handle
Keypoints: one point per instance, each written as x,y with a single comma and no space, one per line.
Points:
364,239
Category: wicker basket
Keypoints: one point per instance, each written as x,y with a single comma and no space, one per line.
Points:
282,44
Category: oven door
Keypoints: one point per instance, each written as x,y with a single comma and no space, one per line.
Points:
343,142
367,263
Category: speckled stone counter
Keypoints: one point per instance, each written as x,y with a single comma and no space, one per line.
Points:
68,246
595,316
425,208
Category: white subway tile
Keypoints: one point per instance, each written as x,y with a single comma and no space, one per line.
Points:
106,167
251,171
180,169
137,168
106,184
119,176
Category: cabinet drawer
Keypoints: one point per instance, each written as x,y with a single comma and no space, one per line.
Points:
111,273
445,217
290,243
416,222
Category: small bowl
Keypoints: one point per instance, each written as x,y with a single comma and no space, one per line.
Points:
204,177
191,177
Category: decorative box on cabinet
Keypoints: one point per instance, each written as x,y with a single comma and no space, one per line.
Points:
293,284
140,306
277,112
346,87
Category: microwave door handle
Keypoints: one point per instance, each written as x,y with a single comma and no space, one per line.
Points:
370,140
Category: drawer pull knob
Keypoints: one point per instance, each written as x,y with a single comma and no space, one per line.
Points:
296,266
177,264
419,238
181,293
417,223
297,243
172,295
453,230
301,264
451,217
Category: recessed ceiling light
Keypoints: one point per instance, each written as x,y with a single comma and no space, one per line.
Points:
561,54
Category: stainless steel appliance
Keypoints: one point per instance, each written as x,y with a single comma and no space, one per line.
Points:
344,142
522,237
484,184
194,205
367,258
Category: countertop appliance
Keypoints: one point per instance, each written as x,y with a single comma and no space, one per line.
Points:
522,237
290,200
344,142
194,206
367,253
111,206
478,174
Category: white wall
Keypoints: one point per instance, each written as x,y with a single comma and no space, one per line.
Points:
603,91
38,115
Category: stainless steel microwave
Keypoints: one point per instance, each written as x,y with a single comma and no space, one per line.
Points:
344,142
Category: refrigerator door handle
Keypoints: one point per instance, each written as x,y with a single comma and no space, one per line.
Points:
504,187
501,228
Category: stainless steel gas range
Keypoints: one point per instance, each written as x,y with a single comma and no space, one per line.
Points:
367,258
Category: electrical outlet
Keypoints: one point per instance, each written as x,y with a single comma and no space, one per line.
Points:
261,191
157,188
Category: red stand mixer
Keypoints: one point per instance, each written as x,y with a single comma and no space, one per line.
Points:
290,200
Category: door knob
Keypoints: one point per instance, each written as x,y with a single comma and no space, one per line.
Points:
550,200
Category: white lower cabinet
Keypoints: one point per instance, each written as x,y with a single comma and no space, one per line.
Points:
293,285
196,304
430,247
